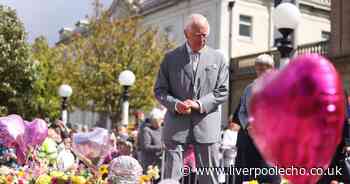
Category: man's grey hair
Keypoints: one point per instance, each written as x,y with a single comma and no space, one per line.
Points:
194,19
265,59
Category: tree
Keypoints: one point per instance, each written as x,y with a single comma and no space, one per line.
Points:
17,71
92,64
45,99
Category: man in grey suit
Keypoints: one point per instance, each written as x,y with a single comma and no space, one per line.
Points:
192,82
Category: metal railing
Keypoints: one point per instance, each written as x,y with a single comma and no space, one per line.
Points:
322,2
242,68
243,65
319,48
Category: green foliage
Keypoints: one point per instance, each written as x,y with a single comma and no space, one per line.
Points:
45,99
30,76
17,71
92,64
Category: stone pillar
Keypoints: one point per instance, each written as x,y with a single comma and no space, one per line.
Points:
340,39
340,34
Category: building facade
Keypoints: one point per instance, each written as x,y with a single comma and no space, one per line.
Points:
239,27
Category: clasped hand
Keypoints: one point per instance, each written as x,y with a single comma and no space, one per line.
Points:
186,107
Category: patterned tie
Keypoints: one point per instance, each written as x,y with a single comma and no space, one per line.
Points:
195,59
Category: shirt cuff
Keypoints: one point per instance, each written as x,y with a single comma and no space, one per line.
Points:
201,110
175,107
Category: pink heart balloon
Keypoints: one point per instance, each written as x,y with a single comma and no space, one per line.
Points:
297,115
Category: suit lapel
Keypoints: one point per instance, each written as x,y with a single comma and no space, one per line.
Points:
187,64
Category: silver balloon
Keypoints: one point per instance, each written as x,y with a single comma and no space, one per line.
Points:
124,170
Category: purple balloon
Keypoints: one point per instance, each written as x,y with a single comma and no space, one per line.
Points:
11,130
36,132
21,152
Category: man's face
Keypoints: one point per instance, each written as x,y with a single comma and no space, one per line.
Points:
197,36
262,68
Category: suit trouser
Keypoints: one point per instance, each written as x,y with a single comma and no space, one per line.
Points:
207,155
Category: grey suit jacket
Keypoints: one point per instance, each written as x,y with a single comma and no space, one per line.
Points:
176,82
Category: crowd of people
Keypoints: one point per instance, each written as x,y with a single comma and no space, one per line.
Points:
142,141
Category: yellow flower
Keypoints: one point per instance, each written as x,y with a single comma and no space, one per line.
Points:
20,173
153,172
43,179
57,174
144,178
2,180
253,182
78,180
103,169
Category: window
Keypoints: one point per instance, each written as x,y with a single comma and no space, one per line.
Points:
325,35
245,26
169,31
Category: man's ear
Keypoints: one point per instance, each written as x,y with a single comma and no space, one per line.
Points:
185,33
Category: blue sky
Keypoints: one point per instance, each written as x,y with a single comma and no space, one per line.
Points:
47,17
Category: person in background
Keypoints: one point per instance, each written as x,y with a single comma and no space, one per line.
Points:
140,130
248,155
341,154
133,139
150,140
228,145
229,140
66,158
85,128
122,133
124,148
113,153
139,118
8,156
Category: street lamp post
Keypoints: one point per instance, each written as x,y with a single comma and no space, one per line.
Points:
126,79
64,91
286,18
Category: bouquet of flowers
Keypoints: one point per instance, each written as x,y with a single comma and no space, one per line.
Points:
152,174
